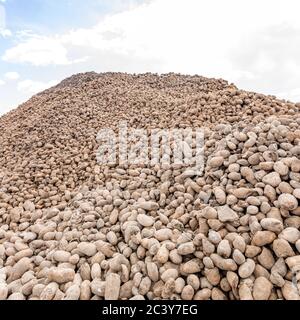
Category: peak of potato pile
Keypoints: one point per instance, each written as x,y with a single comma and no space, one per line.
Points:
71,228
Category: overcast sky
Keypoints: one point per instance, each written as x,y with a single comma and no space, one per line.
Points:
253,43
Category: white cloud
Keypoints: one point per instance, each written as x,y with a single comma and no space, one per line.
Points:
213,38
293,95
31,87
39,51
5,33
2,82
12,75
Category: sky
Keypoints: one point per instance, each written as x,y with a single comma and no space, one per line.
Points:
252,43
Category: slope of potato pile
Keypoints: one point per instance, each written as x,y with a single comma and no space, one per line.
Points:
73,229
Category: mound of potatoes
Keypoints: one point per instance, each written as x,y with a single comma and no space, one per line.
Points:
73,229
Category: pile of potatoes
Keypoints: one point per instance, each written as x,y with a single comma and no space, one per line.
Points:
72,229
